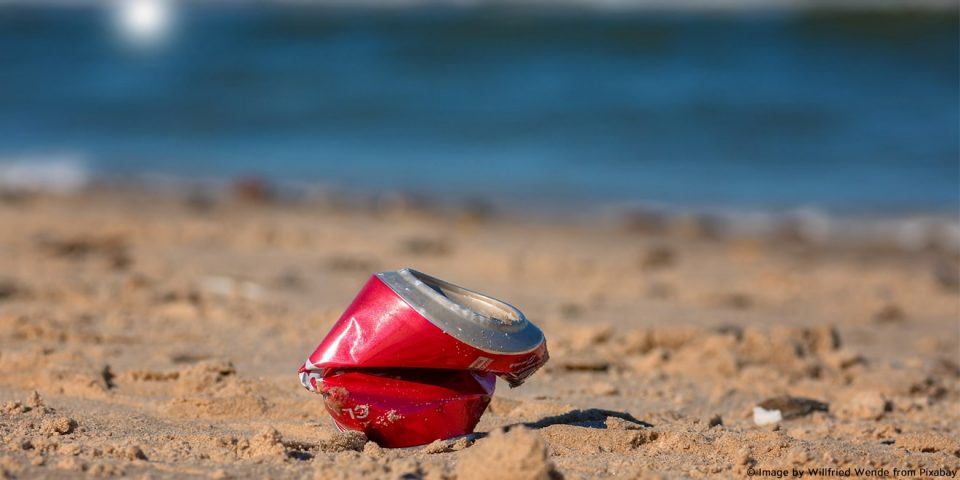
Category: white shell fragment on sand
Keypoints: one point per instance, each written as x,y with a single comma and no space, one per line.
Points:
762,416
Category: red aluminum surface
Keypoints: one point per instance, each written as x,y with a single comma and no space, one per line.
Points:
386,370
408,407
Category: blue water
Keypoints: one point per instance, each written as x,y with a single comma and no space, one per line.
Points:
849,112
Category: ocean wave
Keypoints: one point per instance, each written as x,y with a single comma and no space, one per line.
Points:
58,173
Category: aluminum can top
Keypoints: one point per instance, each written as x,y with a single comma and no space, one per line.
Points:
475,319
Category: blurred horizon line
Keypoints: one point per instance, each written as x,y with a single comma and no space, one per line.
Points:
668,6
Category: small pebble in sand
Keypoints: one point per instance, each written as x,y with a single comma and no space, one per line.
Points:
868,405
517,454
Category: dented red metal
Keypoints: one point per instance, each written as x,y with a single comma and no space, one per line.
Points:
408,408
414,359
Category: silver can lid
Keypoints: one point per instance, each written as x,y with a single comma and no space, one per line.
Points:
480,321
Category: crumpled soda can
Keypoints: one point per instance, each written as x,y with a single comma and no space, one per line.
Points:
414,358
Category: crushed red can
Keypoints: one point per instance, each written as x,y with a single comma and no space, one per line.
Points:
414,358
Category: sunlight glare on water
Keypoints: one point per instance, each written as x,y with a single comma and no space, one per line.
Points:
143,23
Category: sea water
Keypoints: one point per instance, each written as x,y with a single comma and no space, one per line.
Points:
840,111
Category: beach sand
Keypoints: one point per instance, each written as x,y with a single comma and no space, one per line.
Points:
158,336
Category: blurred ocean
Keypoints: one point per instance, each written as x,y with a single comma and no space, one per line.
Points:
846,112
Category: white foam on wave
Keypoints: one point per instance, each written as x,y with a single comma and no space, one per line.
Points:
60,173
